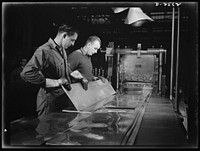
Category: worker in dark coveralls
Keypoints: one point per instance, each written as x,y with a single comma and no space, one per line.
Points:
15,78
49,69
18,91
81,59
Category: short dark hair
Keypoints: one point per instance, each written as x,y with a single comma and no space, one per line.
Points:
68,29
93,38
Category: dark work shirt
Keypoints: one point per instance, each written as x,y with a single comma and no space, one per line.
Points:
46,62
82,63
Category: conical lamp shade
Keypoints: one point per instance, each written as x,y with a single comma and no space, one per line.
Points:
135,14
119,9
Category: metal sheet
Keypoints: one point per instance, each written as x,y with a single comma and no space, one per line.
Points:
95,96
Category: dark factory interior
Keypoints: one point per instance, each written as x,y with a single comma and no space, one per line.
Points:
150,99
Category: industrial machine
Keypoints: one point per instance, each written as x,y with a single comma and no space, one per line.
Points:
136,69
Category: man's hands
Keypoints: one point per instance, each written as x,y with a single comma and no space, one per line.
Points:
101,78
65,83
84,83
78,76
57,83
62,81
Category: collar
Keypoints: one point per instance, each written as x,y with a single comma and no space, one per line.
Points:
83,51
55,45
52,42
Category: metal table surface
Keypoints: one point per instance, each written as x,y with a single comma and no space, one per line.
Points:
116,123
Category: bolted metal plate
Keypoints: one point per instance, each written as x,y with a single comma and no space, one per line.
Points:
91,99
138,69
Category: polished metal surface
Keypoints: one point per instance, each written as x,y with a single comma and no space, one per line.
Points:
108,118
115,123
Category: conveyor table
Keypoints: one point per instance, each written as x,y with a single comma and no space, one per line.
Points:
116,123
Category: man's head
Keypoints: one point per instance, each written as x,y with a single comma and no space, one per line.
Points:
93,43
66,36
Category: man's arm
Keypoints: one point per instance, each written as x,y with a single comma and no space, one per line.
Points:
73,61
32,71
55,83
